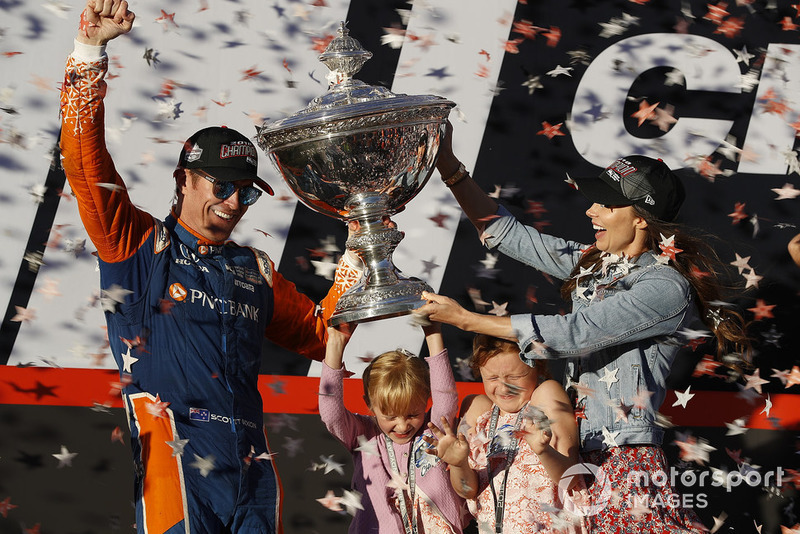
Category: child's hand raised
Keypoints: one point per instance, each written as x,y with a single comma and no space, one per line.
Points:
432,330
338,336
451,448
536,429
538,438
341,333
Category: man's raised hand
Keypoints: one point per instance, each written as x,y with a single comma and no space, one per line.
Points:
103,20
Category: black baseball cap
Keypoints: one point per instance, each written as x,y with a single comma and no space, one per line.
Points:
637,180
224,154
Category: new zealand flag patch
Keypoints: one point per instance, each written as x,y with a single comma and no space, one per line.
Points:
199,414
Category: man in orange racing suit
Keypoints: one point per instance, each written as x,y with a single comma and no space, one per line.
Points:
186,309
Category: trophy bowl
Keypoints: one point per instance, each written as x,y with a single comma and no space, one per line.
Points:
361,153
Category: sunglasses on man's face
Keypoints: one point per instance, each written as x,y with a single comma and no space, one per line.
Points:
248,194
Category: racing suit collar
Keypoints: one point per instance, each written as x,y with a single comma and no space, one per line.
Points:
187,237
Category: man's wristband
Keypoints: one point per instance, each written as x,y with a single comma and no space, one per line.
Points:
459,175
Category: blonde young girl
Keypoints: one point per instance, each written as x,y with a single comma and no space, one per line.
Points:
523,438
404,489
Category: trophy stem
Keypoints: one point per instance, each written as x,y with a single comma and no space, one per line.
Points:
382,291
374,244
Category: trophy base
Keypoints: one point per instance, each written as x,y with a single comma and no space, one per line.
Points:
360,304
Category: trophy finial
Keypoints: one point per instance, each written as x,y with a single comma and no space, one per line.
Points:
344,56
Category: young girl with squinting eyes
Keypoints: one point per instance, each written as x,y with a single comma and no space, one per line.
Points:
404,489
523,438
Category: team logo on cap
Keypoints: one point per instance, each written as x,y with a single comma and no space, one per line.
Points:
620,169
194,154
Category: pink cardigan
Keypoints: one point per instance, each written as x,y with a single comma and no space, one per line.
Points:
371,473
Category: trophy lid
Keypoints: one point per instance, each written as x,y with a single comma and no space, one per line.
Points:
349,98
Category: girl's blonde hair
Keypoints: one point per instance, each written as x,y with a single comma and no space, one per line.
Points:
395,381
486,347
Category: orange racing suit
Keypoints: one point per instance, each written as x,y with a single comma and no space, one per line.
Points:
186,318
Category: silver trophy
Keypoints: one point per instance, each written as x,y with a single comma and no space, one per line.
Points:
361,152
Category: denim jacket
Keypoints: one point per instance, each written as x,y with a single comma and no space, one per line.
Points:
620,338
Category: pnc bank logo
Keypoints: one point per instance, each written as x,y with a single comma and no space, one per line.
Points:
220,305
178,292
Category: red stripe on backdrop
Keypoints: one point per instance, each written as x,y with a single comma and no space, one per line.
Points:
46,386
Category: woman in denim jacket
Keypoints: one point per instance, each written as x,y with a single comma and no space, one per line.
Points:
635,293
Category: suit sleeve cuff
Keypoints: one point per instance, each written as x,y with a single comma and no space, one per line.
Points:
88,53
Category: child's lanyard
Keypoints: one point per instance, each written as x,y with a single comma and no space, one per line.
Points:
500,498
409,524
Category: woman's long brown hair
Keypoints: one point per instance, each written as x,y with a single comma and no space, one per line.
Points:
699,264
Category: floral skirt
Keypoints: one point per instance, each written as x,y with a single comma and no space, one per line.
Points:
632,493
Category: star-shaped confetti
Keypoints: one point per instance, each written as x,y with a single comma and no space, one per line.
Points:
551,130
204,464
667,246
366,446
331,502
329,465
128,360
158,408
752,279
683,397
64,457
767,406
112,297
117,435
609,438
693,449
736,427
741,263
6,506
351,500
609,377
787,192
177,445
762,310
499,309
23,315
793,378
